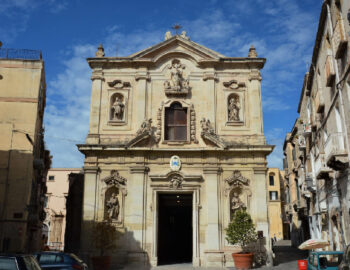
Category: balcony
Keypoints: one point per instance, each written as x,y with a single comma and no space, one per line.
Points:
329,71
307,129
335,153
319,101
321,169
310,184
339,38
22,54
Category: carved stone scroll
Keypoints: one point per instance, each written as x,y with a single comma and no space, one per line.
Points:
233,84
144,132
209,134
119,84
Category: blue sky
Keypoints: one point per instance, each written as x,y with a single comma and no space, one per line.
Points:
69,31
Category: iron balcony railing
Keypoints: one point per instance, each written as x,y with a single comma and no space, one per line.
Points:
20,54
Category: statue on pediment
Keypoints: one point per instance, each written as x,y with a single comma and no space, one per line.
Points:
177,83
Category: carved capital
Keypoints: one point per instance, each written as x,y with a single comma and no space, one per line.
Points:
255,75
143,76
210,76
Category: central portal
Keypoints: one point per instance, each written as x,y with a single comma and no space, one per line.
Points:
175,228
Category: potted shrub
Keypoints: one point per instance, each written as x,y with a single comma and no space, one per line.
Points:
104,237
241,231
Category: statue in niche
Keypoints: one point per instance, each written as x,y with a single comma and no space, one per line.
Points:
177,83
233,108
118,109
113,206
236,203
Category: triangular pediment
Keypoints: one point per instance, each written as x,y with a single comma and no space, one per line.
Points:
177,44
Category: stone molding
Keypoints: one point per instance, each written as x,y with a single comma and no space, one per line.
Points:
212,170
139,169
260,170
210,76
91,169
142,76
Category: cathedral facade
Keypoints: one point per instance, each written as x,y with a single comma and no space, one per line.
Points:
175,146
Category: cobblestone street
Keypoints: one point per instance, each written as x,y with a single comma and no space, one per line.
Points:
286,257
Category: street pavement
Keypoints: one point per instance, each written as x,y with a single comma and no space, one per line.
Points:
286,257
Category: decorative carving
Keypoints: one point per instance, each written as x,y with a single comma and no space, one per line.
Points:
144,132
116,190
237,180
159,122
100,51
115,179
233,84
176,182
209,134
193,125
233,108
237,188
175,163
167,35
184,35
177,84
236,202
118,109
113,207
146,127
119,84
252,52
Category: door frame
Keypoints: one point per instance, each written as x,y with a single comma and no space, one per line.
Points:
195,220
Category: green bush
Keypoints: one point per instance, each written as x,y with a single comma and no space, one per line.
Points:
241,229
104,236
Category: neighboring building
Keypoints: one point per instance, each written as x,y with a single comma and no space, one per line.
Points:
55,206
275,193
296,193
321,134
74,208
180,103
24,161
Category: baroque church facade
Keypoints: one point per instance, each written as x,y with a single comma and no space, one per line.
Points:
175,146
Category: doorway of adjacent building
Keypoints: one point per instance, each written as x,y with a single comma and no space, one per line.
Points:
174,228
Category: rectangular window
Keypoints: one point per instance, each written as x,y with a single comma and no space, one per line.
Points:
51,177
273,195
272,180
175,123
294,154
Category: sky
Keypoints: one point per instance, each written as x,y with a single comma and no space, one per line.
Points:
69,31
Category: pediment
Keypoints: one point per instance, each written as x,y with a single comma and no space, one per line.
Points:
177,45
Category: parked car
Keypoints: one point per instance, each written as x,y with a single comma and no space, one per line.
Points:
52,260
345,264
18,262
319,260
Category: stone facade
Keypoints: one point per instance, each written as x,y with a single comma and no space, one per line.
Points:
24,161
320,136
174,119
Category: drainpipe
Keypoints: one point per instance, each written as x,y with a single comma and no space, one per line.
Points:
342,111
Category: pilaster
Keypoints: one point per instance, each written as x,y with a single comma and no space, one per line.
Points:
141,97
135,219
213,254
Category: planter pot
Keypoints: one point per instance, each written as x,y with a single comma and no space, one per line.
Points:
243,261
101,262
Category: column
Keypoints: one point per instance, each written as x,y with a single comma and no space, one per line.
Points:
213,253
89,208
136,213
254,101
